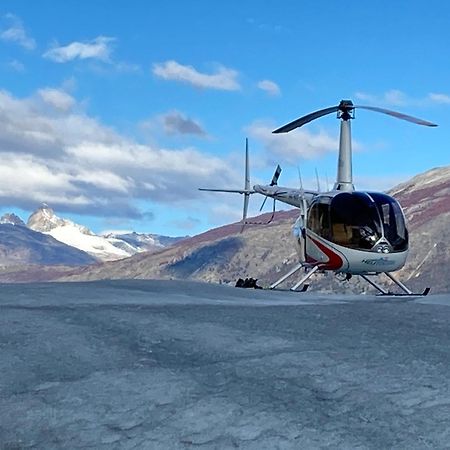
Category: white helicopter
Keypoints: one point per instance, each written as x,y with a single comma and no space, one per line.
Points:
343,230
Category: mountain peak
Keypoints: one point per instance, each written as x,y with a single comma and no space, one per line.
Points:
12,219
44,219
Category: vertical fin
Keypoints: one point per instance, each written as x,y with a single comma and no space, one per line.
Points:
247,168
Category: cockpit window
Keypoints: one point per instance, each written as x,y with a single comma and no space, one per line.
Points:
394,228
355,221
359,220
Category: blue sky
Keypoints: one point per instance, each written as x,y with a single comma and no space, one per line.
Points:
114,112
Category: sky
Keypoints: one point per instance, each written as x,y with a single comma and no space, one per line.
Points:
114,113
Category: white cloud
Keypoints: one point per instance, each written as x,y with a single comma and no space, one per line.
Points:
270,87
442,99
57,98
224,78
98,48
395,97
16,33
298,144
392,97
77,164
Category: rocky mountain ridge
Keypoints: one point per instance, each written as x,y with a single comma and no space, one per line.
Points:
100,248
21,246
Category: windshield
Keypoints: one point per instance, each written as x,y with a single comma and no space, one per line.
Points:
355,221
359,220
392,220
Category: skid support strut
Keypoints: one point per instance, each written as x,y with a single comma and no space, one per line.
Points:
407,292
399,284
285,277
292,272
306,277
375,285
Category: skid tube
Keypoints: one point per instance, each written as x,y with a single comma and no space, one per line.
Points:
294,270
383,292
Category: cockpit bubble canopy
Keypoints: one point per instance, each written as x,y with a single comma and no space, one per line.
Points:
360,220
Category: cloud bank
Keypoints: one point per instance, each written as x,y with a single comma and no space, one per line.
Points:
53,153
294,146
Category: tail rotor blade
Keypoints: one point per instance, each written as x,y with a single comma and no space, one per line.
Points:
398,115
276,175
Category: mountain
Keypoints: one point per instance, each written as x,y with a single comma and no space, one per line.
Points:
266,252
19,245
46,221
12,219
145,242
425,200
107,247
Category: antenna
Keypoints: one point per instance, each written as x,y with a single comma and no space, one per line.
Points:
300,179
246,183
317,179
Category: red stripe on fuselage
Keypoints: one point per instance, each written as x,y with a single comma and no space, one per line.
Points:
334,260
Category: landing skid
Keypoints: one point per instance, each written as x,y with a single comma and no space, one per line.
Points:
383,292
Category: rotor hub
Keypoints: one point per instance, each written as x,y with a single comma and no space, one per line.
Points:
346,110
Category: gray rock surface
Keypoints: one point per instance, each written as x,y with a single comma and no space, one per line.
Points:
169,365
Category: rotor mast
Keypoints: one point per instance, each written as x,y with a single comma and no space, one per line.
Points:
344,180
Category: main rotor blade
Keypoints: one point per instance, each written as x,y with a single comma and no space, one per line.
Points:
305,119
399,115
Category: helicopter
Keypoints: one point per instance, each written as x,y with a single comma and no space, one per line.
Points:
343,230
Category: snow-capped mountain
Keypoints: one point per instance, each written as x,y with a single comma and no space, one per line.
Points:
12,219
145,242
21,246
108,247
46,221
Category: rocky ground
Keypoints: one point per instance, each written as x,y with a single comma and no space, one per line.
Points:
159,365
